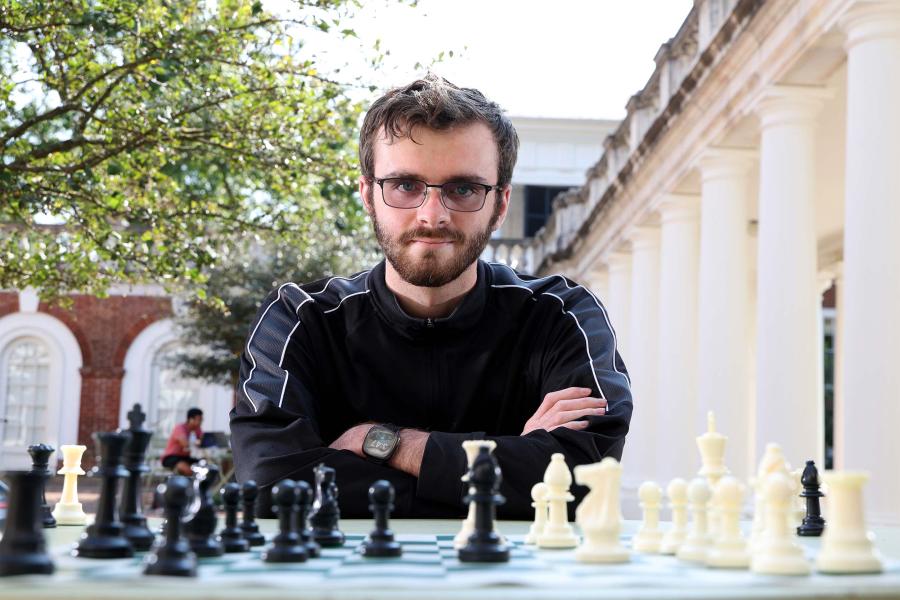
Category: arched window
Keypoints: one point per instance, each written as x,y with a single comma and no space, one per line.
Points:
171,394
23,404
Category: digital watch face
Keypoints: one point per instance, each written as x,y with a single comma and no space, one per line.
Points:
380,442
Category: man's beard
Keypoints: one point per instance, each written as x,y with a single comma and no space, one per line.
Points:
429,270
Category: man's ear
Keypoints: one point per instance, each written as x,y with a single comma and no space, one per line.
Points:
504,206
365,192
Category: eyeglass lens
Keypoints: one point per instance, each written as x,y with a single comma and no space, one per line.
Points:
410,193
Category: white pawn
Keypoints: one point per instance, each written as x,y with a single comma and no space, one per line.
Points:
471,447
777,552
649,537
729,549
599,514
697,542
678,502
846,544
558,532
68,510
539,497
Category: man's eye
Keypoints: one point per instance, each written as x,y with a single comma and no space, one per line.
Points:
405,185
462,189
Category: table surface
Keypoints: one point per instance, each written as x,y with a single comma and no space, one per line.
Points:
555,574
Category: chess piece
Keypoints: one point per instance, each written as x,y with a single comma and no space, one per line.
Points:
558,532
301,516
68,510
231,537
712,455
697,542
201,527
485,544
286,545
729,549
798,506
813,524
776,552
381,542
23,549
40,461
471,448
105,538
172,555
847,545
677,493
249,492
773,460
599,514
649,537
539,498
325,511
133,518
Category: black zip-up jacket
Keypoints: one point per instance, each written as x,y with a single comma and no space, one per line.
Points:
326,356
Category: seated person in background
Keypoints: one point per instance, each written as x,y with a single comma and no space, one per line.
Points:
177,455
384,374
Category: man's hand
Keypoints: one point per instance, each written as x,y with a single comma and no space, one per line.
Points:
562,408
352,439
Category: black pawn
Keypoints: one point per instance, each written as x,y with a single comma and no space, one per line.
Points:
172,555
201,528
250,529
105,538
484,545
380,542
230,536
133,518
301,519
286,546
325,512
813,524
23,550
40,461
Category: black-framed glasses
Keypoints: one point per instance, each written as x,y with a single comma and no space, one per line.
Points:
461,196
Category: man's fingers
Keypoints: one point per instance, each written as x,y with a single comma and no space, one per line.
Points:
571,415
565,394
577,425
578,403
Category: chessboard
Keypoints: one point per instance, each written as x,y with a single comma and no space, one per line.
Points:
429,568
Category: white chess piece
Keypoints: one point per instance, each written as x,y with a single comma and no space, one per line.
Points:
649,537
471,448
712,457
558,532
729,549
777,552
68,510
599,514
772,461
676,491
799,504
697,542
847,545
539,497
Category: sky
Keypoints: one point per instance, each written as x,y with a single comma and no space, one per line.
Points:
547,58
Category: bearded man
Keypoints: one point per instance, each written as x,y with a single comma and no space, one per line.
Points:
383,374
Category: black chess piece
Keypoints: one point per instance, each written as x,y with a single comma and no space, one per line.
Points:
172,555
105,538
287,546
381,542
131,511
40,461
23,549
813,524
231,537
249,492
301,519
484,545
325,512
201,528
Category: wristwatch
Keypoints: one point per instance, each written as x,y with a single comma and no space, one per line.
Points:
381,442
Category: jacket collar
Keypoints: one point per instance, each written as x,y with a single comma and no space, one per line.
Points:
464,317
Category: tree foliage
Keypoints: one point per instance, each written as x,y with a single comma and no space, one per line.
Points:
142,140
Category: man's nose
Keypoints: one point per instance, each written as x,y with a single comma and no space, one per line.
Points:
433,212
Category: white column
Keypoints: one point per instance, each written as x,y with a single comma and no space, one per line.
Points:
643,366
619,305
724,300
871,353
788,410
679,268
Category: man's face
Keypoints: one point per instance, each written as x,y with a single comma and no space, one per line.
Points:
195,422
431,246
